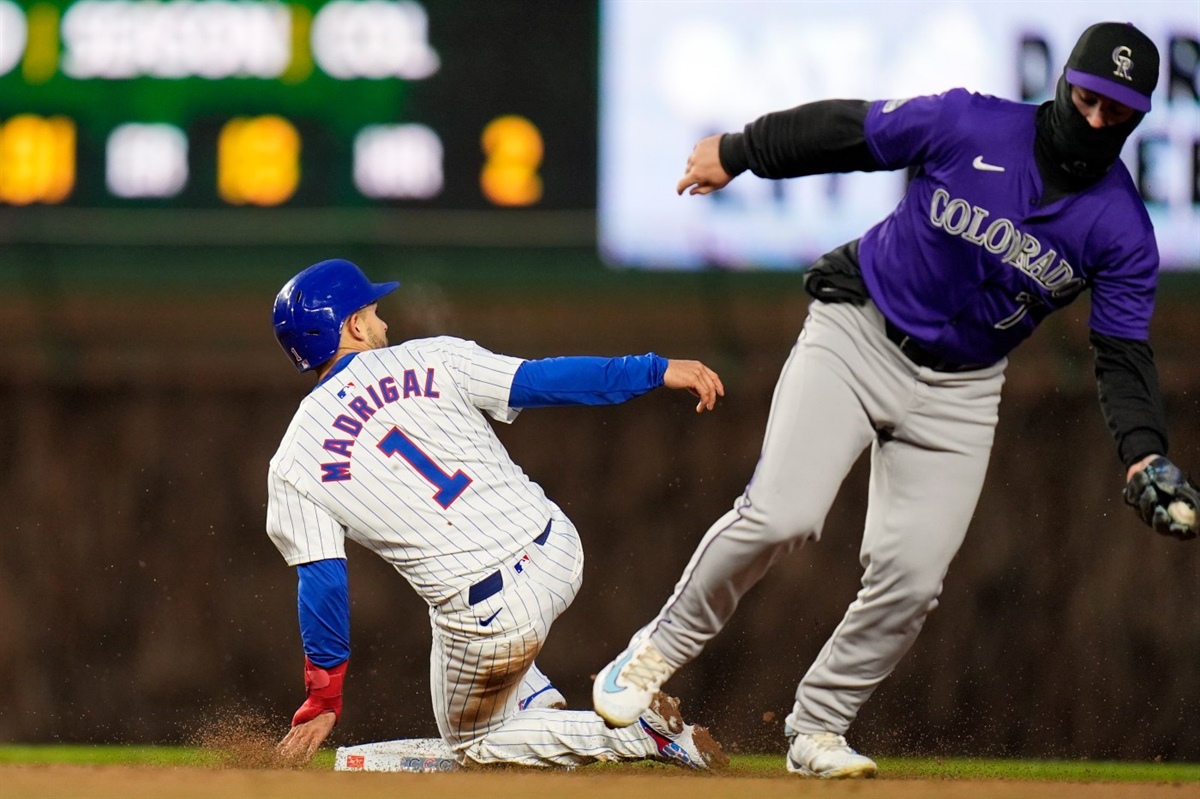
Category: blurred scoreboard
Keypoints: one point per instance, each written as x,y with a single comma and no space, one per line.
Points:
440,104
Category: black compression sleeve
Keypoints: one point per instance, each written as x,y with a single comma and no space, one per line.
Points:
1129,396
811,139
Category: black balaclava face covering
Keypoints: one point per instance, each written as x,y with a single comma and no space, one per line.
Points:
1112,59
1074,146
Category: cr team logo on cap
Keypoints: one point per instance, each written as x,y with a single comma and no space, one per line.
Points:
1121,58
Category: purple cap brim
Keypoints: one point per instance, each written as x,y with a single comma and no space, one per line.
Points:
1109,88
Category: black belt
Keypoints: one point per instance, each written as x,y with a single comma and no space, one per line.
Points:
923,357
490,586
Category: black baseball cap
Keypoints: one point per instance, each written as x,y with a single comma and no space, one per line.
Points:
1117,60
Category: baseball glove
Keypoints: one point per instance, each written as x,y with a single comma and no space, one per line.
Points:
1165,499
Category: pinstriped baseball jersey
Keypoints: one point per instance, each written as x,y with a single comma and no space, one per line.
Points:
393,451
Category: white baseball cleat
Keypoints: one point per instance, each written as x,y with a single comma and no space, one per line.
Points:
827,756
624,689
683,744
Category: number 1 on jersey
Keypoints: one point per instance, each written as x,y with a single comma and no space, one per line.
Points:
449,486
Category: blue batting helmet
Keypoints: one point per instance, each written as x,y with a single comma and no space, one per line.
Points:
311,308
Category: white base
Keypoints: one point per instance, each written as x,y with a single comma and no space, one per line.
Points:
408,754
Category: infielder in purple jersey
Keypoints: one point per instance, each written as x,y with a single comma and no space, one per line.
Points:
392,450
1012,212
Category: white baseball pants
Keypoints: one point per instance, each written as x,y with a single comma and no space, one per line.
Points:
483,664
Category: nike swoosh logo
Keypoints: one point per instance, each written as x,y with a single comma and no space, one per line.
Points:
524,703
489,619
981,166
610,682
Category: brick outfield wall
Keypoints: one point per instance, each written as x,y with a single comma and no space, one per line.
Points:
140,597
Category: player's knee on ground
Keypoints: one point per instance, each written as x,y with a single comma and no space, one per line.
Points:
489,693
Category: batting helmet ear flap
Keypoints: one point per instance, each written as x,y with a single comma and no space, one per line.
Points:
311,308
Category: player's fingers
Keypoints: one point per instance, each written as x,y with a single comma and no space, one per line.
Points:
713,387
697,378
718,386
287,747
684,183
302,747
311,749
708,389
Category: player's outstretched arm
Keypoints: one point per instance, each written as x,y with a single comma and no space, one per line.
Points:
704,173
319,714
697,378
590,380
323,594
817,138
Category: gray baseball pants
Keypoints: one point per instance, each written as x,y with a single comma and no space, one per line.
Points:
845,387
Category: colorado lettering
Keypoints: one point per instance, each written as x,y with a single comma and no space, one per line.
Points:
362,407
1001,237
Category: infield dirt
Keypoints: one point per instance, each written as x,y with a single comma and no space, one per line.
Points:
124,782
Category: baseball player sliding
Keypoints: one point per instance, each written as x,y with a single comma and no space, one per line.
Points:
392,450
1012,212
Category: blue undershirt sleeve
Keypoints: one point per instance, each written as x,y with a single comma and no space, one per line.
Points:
585,380
323,599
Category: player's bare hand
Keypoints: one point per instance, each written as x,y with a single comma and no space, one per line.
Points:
303,740
697,378
704,173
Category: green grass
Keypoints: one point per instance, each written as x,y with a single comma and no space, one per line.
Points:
1046,770
743,765
84,755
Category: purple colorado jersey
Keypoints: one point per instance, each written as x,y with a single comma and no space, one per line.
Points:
968,263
